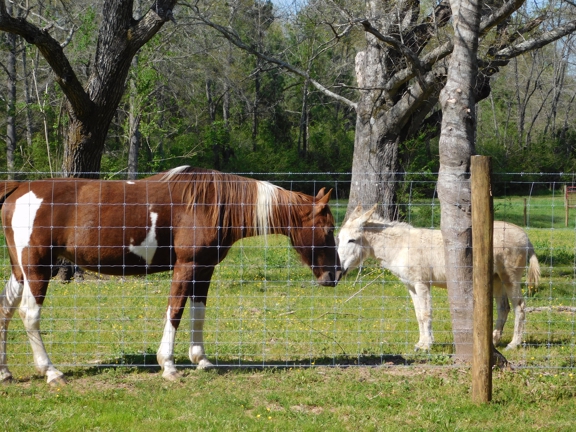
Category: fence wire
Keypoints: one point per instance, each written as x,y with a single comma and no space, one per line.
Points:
265,308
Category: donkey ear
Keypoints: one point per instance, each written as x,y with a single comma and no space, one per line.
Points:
366,216
357,211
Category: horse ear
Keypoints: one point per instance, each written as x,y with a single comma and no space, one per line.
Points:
322,195
321,200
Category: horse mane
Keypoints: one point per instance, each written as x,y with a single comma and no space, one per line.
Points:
238,204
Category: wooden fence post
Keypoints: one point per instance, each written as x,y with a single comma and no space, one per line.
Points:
483,256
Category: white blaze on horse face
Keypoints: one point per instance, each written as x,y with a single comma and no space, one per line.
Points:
148,247
264,202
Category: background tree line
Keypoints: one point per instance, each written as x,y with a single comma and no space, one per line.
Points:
193,97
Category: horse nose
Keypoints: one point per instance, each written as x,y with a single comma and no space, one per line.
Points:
327,279
339,274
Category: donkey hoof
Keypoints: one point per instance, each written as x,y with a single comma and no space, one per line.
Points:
58,381
173,376
204,365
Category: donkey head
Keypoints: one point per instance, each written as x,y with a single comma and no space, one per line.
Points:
353,247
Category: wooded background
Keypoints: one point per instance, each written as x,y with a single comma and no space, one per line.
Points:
193,97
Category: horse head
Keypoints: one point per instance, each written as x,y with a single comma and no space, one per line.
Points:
353,248
315,242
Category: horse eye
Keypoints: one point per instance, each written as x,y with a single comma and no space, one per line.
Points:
352,241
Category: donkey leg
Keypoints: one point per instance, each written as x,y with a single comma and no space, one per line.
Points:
519,305
34,292
422,299
503,308
9,301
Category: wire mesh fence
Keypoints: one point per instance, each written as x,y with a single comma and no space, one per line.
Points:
265,308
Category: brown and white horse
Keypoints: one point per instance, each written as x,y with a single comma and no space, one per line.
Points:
184,220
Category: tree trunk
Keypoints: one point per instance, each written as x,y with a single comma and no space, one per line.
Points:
303,130
10,102
134,134
374,165
456,148
28,101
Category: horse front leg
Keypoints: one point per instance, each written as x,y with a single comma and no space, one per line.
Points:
196,351
189,281
34,292
9,300
165,353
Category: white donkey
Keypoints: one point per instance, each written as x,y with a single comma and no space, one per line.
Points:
416,256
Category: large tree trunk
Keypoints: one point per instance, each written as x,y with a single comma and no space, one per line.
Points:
375,159
456,148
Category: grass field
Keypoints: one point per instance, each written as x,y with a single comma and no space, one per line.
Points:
276,337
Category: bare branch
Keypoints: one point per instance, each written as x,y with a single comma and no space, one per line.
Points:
233,37
53,52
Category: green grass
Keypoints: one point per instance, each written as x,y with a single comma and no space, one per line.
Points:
272,330
303,399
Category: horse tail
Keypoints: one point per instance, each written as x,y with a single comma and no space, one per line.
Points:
533,277
6,188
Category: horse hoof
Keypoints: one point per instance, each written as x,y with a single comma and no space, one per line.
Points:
58,381
174,376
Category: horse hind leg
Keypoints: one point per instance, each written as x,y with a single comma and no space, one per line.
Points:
30,310
9,300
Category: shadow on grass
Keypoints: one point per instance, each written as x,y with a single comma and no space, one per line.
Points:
531,342
146,363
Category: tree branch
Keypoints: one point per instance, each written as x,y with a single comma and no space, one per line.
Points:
233,37
53,52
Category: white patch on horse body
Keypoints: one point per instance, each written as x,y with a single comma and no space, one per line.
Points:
148,247
23,221
265,200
